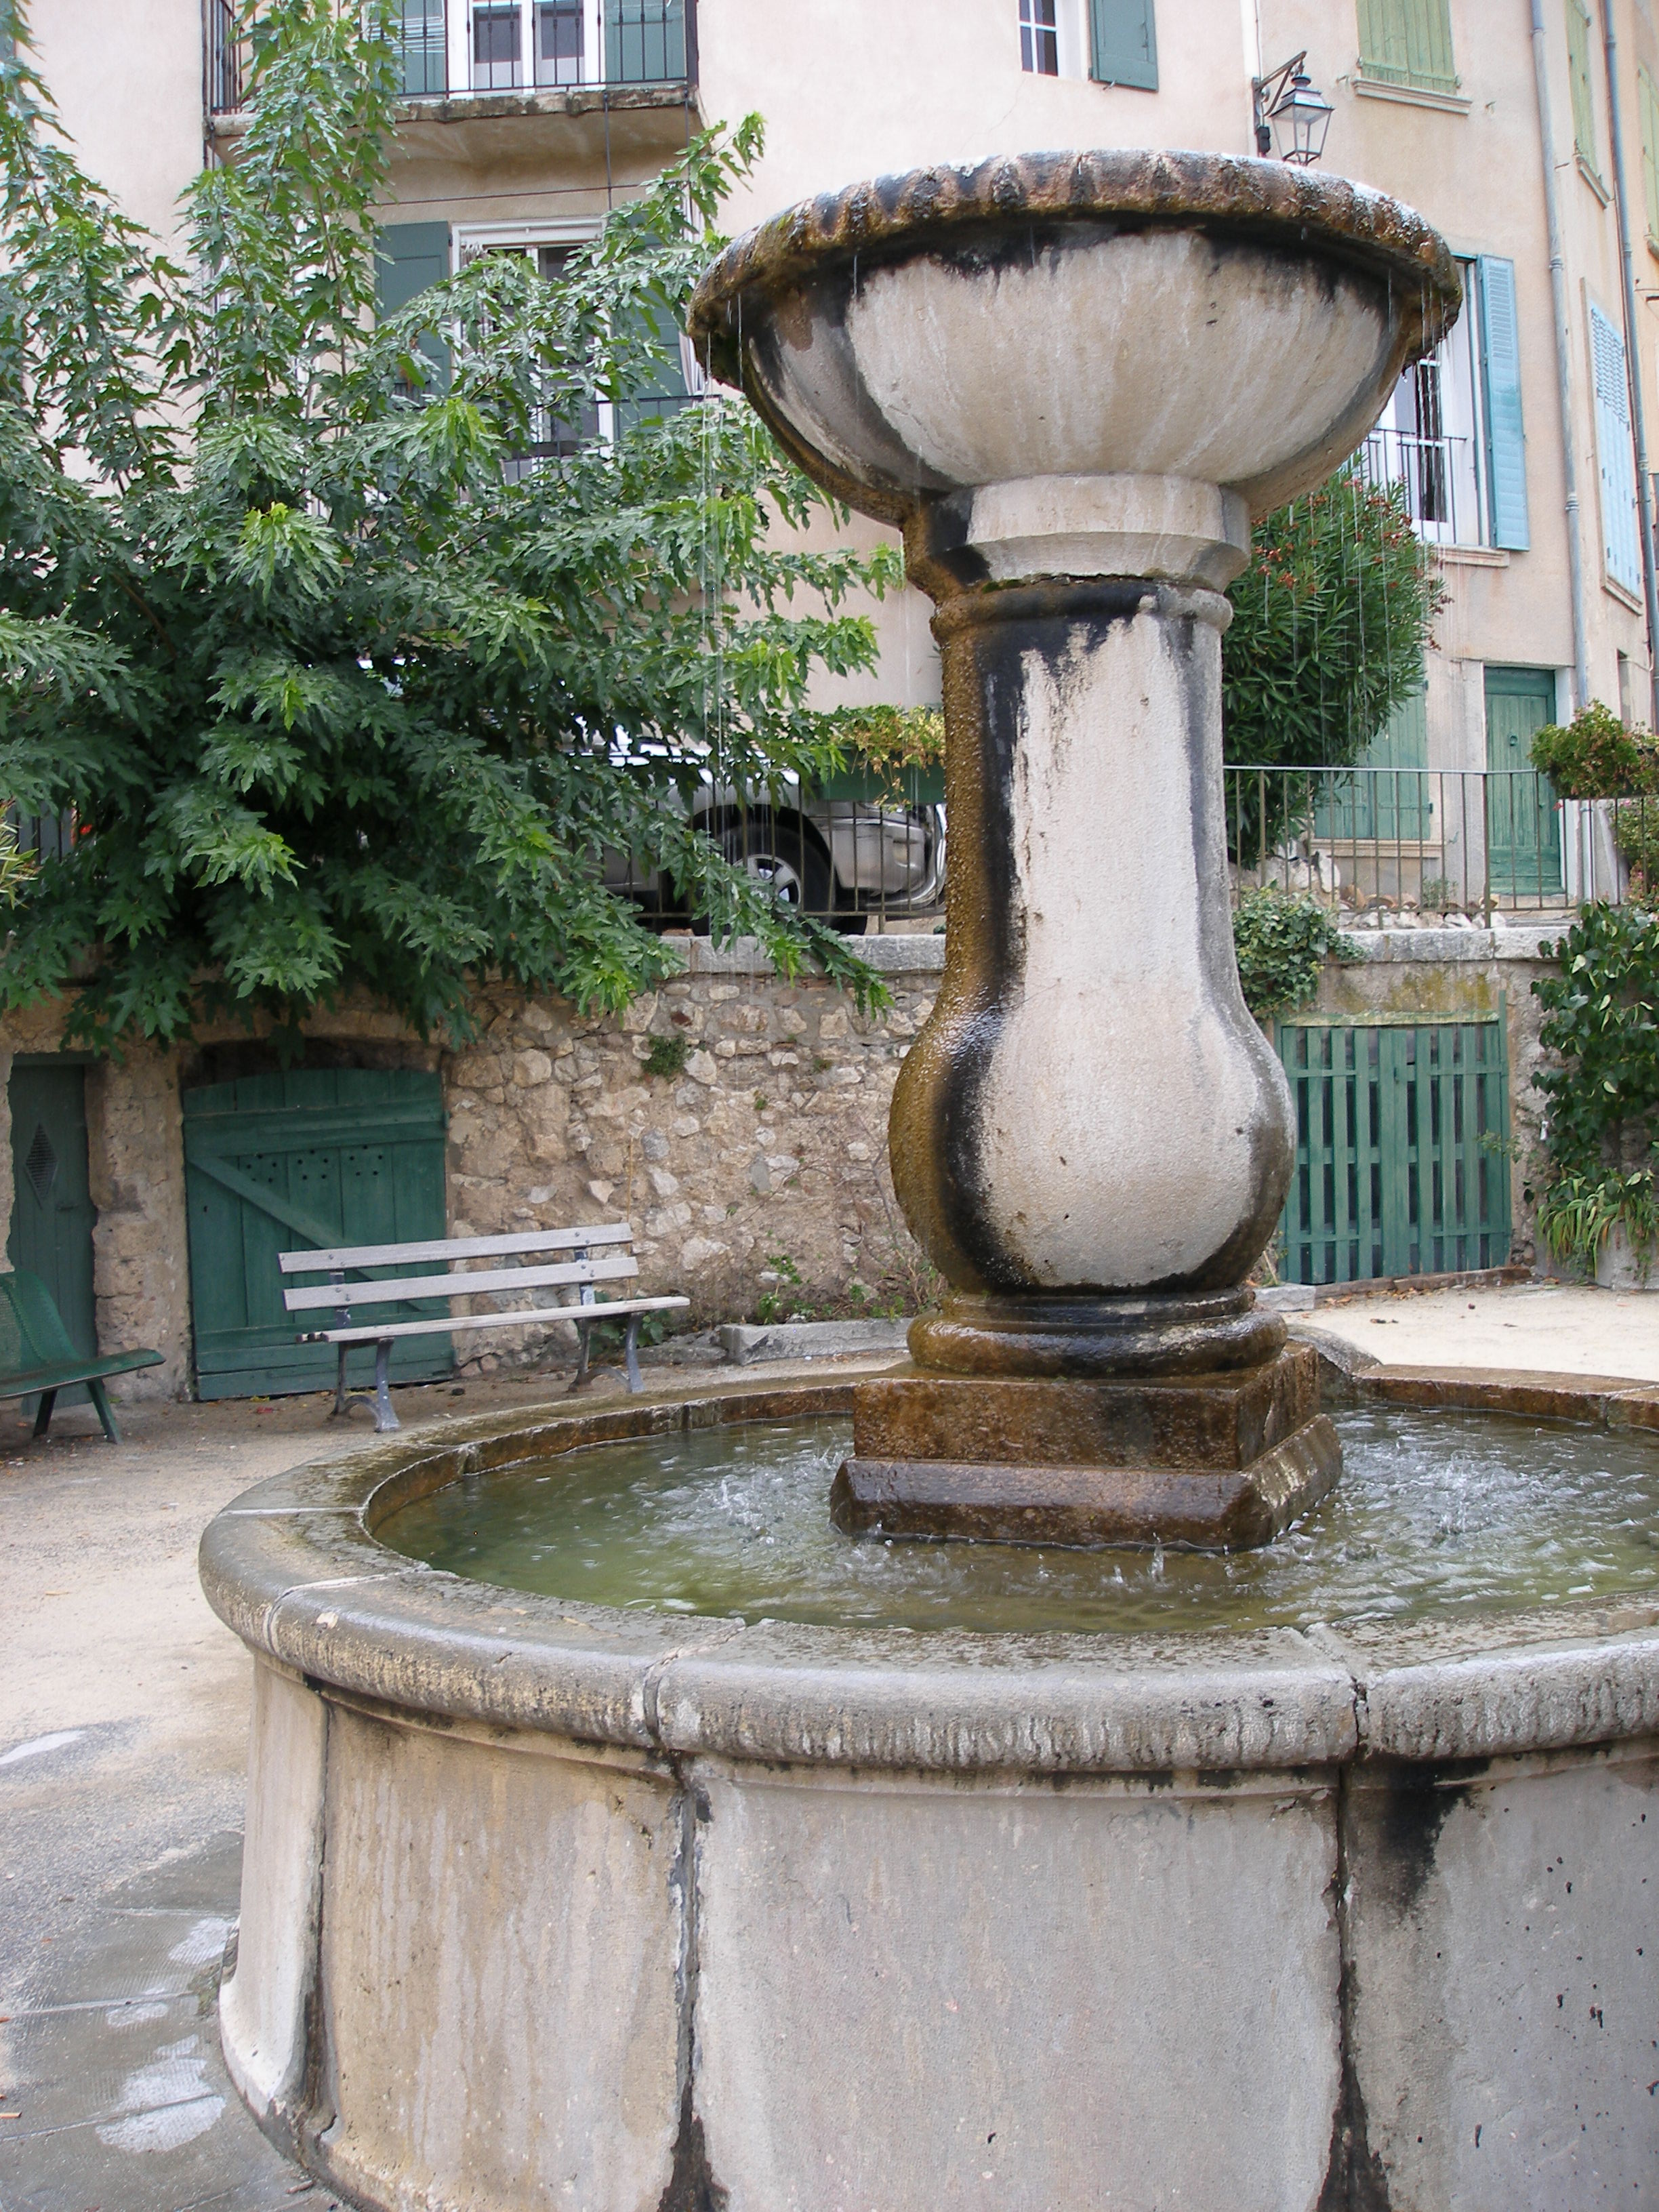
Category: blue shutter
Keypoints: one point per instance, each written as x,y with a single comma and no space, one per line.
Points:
1621,545
410,257
1123,40
1500,372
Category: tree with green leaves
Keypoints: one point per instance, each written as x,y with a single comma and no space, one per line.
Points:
1330,620
342,692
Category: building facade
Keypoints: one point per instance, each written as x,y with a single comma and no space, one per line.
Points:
1515,448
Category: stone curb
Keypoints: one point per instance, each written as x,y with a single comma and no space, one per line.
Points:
743,1343
295,1568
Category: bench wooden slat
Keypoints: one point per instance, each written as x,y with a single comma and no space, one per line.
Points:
453,1248
26,1382
395,1288
527,1317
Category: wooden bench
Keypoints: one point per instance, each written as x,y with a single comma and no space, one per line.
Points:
36,1356
601,1254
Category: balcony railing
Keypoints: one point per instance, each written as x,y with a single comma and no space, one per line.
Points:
1438,476
1436,845
451,48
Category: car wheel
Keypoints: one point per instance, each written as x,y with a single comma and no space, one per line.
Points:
784,857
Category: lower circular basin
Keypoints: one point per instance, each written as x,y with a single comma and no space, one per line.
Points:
547,1901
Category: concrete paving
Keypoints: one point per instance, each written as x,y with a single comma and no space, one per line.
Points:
1565,1328
123,1720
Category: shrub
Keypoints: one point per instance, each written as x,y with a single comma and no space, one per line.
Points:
1595,756
1281,938
1602,1126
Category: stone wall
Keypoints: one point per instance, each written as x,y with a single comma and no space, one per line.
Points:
760,1159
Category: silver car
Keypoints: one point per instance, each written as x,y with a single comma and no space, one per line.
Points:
841,858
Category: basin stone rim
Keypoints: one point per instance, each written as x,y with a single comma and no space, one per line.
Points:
885,217
293,1566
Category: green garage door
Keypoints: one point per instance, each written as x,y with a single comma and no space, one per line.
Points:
318,1157
1402,1149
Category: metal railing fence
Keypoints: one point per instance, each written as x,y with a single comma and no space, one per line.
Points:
448,49
1436,841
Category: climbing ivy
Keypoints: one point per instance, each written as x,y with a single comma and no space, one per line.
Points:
1281,939
1601,1128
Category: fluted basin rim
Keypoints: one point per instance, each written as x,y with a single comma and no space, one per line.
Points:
295,1568
887,217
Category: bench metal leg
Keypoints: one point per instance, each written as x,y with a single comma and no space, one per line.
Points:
100,1399
630,1353
580,1375
43,1411
342,1401
384,1418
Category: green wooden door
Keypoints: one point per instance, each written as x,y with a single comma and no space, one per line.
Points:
284,1163
1387,797
1523,819
1400,1161
51,1209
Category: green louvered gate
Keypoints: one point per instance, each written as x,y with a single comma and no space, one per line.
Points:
1401,1159
317,1157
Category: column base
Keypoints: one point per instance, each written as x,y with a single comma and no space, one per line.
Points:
1028,1335
1209,1463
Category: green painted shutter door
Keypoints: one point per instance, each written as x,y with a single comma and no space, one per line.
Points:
1622,545
1400,1169
411,257
285,1162
1506,435
1523,818
52,1213
1407,42
1387,796
644,41
1123,41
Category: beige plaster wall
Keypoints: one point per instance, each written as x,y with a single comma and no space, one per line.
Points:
127,83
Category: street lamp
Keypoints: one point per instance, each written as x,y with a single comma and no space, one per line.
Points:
1288,109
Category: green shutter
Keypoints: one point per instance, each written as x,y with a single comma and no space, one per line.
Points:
1648,101
644,41
411,257
1407,42
661,389
1579,76
1123,40
1500,373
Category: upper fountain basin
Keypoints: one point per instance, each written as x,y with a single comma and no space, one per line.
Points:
1230,324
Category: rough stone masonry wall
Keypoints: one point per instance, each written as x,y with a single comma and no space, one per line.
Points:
770,1144
764,1158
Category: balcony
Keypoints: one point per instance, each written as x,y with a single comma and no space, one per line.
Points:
490,61
1440,478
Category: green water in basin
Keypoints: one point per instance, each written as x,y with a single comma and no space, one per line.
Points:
1436,1514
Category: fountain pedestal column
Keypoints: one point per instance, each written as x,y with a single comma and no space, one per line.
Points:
1091,1138
1073,379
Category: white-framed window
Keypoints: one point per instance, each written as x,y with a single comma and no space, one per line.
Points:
551,246
1452,435
1053,37
1039,38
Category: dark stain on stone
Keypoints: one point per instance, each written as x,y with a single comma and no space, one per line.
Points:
691,2186
1417,1801
1356,2180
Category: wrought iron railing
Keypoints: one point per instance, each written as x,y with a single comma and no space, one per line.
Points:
447,49
1435,844
1439,477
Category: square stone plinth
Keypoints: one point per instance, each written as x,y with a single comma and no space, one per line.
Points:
1209,1463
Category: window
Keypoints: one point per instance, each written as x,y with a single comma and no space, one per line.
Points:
1407,42
1039,38
1621,543
1452,435
1583,98
1123,43
417,32
559,41
496,66
1648,104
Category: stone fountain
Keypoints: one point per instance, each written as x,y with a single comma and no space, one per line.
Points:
552,1902
1073,379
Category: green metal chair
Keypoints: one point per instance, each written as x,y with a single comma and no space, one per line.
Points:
38,1359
